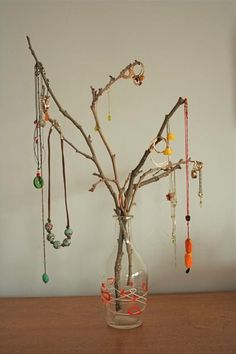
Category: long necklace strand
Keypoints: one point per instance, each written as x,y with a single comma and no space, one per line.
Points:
38,153
188,242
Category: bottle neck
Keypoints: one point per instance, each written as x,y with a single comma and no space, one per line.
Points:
124,227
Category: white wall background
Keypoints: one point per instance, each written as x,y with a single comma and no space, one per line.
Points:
188,50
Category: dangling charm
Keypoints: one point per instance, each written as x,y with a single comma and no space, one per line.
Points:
172,198
188,254
109,106
169,137
45,278
200,192
38,181
197,169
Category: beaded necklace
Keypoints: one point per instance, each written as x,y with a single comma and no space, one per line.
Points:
49,226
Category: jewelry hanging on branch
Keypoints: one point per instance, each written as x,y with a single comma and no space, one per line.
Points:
109,117
39,153
131,74
171,196
49,226
197,171
188,241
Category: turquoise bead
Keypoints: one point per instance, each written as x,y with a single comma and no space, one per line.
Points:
68,232
45,278
57,244
50,237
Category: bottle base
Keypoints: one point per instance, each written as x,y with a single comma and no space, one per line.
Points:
120,321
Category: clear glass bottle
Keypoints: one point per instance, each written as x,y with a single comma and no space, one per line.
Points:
125,284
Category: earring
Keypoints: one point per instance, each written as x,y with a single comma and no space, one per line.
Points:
171,196
197,172
109,106
138,78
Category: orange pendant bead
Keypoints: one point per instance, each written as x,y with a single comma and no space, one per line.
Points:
188,260
188,245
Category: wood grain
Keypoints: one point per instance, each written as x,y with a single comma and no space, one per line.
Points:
179,323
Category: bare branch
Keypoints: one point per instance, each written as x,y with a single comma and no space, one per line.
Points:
166,173
98,93
135,171
92,189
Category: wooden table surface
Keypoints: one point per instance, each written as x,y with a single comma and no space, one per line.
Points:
174,324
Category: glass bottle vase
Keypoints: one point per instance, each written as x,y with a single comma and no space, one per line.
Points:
124,286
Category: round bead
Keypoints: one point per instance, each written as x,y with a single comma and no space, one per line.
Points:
68,232
45,278
42,123
187,217
38,182
57,244
66,242
170,136
167,151
48,227
50,237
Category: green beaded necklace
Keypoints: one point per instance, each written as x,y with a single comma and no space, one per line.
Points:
49,226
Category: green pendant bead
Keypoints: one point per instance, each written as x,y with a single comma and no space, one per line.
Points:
38,182
57,244
45,278
66,242
51,238
68,232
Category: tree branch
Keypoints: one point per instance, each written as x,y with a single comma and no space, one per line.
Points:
135,171
95,97
166,173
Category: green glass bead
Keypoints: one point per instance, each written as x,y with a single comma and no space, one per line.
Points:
57,244
68,232
45,278
66,242
38,182
50,237
109,117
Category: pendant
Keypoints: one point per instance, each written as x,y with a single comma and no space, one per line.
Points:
38,182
